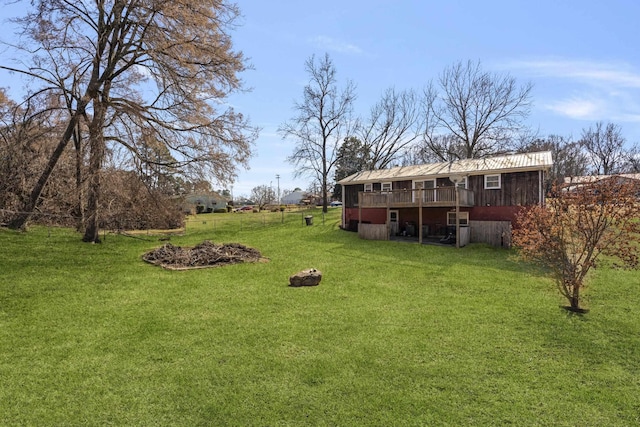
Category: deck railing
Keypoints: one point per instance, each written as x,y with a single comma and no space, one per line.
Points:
429,197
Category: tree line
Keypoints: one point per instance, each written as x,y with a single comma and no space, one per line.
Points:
125,108
123,93
464,113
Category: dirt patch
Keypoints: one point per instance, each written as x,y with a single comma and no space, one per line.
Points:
204,255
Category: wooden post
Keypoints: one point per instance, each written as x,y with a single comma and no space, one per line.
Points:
359,210
343,214
420,216
457,216
388,213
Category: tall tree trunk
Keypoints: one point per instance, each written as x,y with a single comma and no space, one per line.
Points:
79,210
26,211
325,203
96,157
325,196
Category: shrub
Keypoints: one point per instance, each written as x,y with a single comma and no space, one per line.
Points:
579,227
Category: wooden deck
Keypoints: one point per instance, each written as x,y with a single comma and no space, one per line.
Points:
431,197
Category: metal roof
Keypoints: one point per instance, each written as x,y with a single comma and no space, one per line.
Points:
510,163
594,178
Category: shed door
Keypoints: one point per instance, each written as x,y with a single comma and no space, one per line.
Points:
393,223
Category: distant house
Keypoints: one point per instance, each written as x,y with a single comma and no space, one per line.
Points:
427,200
293,198
576,182
203,202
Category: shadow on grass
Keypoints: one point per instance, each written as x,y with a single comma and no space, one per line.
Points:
476,255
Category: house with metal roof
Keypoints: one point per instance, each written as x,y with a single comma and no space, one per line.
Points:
478,199
571,182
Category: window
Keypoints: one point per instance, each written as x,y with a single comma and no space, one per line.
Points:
464,218
462,183
427,196
386,186
492,182
427,184
368,188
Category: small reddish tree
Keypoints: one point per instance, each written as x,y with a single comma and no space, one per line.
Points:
580,224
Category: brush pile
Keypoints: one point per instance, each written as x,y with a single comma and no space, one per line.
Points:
206,254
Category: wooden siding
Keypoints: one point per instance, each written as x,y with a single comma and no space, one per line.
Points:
517,189
351,195
495,213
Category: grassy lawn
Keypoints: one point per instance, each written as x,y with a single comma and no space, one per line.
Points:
396,334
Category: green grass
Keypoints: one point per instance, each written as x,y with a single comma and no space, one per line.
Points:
396,334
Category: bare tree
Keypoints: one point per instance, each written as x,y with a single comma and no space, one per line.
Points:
632,160
569,159
26,133
473,113
128,203
322,121
262,196
100,57
605,147
394,123
423,153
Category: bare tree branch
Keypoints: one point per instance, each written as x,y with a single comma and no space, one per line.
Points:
605,148
394,123
472,113
322,121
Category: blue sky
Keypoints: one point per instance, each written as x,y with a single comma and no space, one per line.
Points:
581,56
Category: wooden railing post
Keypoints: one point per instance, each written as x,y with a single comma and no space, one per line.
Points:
360,197
420,216
388,196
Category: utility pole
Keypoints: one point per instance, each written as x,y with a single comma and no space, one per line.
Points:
278,178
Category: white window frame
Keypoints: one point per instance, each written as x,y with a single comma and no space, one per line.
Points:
492,187
463,218
422,181
384,184
421,186
368,188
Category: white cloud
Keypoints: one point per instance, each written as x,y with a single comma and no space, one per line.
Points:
615,75
584,90
331,44
576,108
